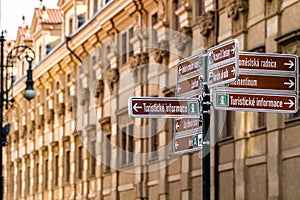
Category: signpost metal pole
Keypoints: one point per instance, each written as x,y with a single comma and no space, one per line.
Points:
206,134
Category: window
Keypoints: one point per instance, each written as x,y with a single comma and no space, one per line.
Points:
36,186
70,26
127,145
40,52
95,6
79,162
176,23
261,119
67,166
12,184
28,177
20,183
228,124
107,153
154,139
124,48
48,48
56,170
80,20
107,1
46,174
127,47
154,20
93,161
200,7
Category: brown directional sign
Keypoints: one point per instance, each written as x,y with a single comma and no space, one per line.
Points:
189,74
223,63
189,65
187,143
147,107
267,61
187,124
222,75
224,53
255,102
189,85
265,82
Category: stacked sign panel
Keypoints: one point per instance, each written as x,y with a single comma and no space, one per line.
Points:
188,131
266,83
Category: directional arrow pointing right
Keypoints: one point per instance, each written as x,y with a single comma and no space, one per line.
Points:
290,64
290,103
290,83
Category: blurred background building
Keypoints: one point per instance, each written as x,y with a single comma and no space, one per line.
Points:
92,55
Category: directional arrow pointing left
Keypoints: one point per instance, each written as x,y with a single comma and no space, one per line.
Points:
136,107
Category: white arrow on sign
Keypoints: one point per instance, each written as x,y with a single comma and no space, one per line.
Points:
176,145
290,64
180,70
233,50
233,70
290,83
177,126
291,103
136,107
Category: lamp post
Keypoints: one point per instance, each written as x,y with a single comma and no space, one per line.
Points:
20,52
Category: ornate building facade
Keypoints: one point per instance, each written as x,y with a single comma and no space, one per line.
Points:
75,139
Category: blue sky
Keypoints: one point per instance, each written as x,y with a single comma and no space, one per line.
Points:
13,10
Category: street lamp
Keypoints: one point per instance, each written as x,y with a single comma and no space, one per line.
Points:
20,52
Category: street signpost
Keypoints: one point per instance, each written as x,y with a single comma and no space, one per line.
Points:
260,82
187,143
223,66
255,102
155,107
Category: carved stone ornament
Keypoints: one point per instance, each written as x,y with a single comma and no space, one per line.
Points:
236,8
99,89
71,103
105,124
162,51
144,58
49,116
112,78
60,109
40,120
23,131
184,38
207,23
84,95
134,61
